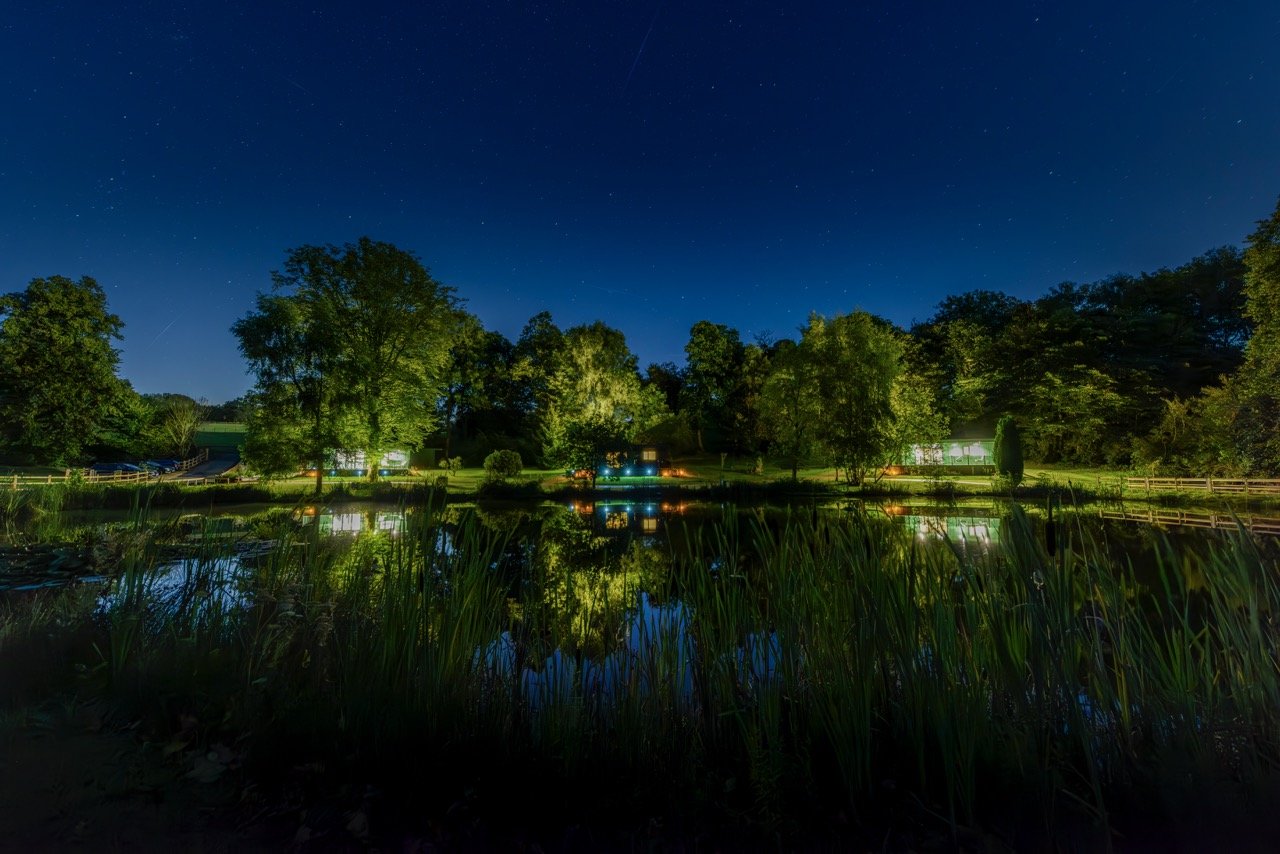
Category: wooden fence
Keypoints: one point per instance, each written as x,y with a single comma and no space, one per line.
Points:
1224,485
1221,521
24,481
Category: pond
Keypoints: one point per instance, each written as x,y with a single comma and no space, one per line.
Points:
974,653
65,552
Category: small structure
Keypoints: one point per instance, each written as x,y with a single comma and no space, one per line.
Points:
357,462
951,456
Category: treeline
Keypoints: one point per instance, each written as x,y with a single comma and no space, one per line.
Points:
61,401
1172,372
359,347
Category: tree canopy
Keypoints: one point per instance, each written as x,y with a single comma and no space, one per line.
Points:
349,352
58,384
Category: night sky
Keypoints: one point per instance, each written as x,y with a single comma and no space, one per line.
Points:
646,164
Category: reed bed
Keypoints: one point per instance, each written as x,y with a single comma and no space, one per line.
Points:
808,679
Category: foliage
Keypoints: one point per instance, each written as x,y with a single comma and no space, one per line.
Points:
1008,450
58,383
300,397
1254,391
503,465
789,405
595,397
175,424
916,419
855,359
712,376
1067,690
349,354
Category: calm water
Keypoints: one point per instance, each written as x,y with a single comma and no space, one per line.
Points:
596,535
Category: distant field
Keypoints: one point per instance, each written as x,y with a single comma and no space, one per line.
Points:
218,436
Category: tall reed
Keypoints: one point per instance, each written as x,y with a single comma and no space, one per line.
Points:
789,669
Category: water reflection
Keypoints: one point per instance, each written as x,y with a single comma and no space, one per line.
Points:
186,589
613,517
347,521
969,526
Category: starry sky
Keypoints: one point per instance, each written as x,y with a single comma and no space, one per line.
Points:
649,164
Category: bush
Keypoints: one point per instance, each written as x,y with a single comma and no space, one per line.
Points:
502,465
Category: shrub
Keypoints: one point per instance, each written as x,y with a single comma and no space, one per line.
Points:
502,465
1008,451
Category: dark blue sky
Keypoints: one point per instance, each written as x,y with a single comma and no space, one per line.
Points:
646,164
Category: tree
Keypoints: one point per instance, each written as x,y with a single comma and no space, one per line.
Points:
1069,414
596,386
350,351
299,398
789,405
856,358
58,383
916,419
712,374
176,420
392,325
1008,450
1257,382
234,410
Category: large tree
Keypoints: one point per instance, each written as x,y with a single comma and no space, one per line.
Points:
712,376
856,358
297,404
789,405
58,383
1253,416
596,393
352,347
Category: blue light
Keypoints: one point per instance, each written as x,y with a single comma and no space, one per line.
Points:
604,469
627,472
650,472
384,472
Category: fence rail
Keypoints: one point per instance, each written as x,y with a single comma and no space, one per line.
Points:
24,481
1225,485
1257,525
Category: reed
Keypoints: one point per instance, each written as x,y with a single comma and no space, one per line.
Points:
776,672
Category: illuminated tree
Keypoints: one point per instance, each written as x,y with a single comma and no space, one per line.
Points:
297,404
360,330
595,395
916,419
58,383
855,359
1253,393
789,405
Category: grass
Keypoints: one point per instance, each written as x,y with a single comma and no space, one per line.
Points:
812,680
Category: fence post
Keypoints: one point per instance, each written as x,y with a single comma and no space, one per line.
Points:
1208,482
